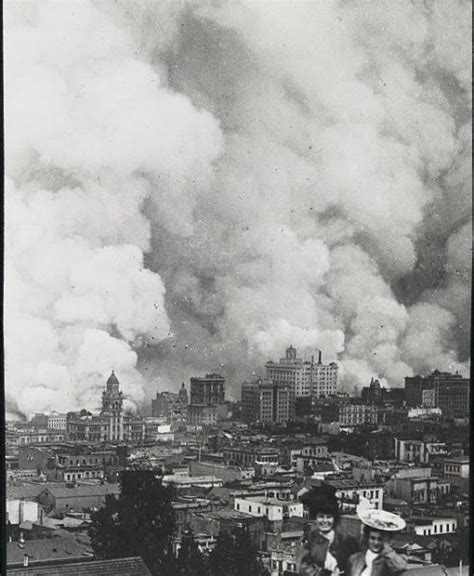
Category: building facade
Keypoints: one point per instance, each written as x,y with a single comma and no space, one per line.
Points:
209,390
449,392
306,377
57,421
355,414
247,456
171,405
266,401
417,451
202,415
111,425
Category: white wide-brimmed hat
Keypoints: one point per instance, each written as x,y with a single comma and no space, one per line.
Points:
381,520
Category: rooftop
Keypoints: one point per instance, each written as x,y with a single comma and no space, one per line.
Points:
26,492
49,549
457,460
125,566
81,490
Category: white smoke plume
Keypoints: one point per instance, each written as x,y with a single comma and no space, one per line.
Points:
193,187
91,136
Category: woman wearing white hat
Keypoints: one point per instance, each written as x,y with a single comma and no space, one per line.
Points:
379,558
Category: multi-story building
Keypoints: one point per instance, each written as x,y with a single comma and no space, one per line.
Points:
418,490
306,377
171,405
206,396
82,465
417,451
273,508
32,437
57,421
373,394
248,456
429,526
351,491
39,420
83,425
327,409
450,392
456,467
111,424
209,390
377,394
266,401
355,414
202,415
380,445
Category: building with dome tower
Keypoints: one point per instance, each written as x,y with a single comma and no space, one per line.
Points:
112,409
111,424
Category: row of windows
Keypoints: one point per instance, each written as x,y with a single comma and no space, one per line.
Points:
439,529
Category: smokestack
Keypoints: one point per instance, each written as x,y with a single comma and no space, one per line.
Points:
312,359
320,357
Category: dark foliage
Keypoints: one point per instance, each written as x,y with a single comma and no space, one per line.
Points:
140,523
191,561
235,555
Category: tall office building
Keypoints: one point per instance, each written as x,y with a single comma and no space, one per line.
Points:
306,377
209,390
449,392
266,401
207,398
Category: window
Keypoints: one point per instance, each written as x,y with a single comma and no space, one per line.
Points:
238,506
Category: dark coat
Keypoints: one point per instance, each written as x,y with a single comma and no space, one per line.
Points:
389,563
313,550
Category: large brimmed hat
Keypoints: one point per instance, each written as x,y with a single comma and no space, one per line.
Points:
321,499
381,520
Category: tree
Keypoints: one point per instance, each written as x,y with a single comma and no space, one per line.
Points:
222,558
140,523
246,555
235,555
191,561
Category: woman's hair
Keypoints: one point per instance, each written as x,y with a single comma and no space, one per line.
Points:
321,500
334,512
369,529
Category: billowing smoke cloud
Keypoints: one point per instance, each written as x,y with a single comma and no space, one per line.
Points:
193,187
91,136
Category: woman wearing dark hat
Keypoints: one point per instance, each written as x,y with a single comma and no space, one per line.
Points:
325,551
379,558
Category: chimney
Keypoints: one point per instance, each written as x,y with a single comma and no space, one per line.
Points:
320,357
25,560
312,359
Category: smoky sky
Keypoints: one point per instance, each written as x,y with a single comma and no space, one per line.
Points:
192,187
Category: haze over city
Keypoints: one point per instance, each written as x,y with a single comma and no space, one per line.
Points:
193,188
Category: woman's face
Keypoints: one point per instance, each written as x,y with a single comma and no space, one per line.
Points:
376,541
324,522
